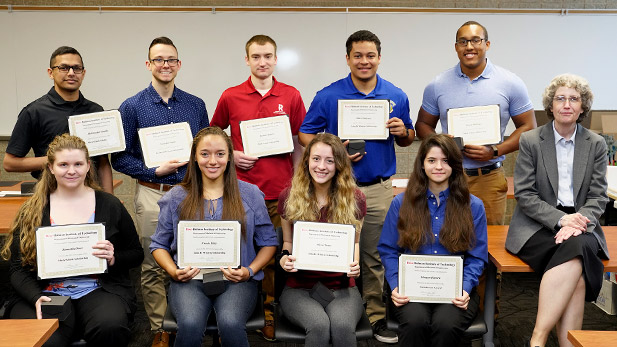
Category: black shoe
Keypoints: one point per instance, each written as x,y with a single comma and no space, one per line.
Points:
382,334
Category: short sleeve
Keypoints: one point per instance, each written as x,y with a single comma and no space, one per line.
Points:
429,100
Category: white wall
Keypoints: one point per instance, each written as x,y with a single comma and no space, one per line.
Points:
415,48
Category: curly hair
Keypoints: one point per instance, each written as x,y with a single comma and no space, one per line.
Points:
302,202
567,80
414,223
192,208
30,215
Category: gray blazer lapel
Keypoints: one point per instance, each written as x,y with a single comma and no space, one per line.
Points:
549,156
582,156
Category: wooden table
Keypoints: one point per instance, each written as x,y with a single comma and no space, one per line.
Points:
9,205
26,332
592,338
504,261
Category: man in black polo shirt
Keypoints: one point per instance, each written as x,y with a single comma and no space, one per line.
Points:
47,117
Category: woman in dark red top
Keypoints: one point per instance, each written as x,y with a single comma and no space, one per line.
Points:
322,190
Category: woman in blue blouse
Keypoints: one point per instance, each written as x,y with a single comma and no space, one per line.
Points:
436,215
211,191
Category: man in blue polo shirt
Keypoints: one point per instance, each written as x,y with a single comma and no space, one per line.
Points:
475,81
372,168
160,104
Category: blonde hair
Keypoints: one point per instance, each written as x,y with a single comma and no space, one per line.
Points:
302,202
30,215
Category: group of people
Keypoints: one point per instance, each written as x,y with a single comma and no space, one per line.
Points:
451,196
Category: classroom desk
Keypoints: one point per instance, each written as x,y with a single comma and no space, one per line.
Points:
592,338
504,261
396,191
9,205
26,332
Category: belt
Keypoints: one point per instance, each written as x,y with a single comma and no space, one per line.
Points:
156,186
483,170
375,181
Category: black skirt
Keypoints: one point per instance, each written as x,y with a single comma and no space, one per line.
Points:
541,253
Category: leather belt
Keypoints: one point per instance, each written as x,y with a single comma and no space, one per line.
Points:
375,181
483,170
156,186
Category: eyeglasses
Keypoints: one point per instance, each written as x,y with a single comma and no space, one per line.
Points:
160,62
562,99
476,41
77,69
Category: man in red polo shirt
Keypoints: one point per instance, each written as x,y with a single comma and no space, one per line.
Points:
262,96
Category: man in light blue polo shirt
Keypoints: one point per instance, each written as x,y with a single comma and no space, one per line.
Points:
475,81
372,168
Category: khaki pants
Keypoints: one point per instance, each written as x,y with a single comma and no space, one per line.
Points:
492,189
378,199
153,277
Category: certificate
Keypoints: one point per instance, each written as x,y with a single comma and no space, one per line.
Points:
66,250
209,244
323,246
363,119
102,131
431,279
477,125
266,136
165,142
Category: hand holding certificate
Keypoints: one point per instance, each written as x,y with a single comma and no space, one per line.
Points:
102,131
209,244
266,136
63,251
166,142
363,119
430,279
323,246
478,125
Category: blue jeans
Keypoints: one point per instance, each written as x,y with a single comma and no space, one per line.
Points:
232,308
338,320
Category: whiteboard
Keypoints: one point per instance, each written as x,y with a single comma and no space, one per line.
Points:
311,49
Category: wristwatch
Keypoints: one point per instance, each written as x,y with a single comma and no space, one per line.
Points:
495,151
406,133
251,274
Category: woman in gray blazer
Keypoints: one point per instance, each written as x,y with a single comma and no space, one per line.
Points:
560,188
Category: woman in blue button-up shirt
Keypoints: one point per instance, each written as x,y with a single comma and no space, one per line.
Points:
436,215
211,191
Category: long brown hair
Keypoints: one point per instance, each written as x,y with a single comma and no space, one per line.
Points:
414,223
30,215
302,202
192,208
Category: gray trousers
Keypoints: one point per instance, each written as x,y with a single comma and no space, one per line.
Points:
338,320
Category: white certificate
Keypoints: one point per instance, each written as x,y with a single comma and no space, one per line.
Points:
323,246
477,125
102,131
428,278
166,142
363,119
266,136
66,250
209,244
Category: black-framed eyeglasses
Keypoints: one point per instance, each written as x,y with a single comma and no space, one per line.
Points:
476,41
160,62
77,69
562,99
